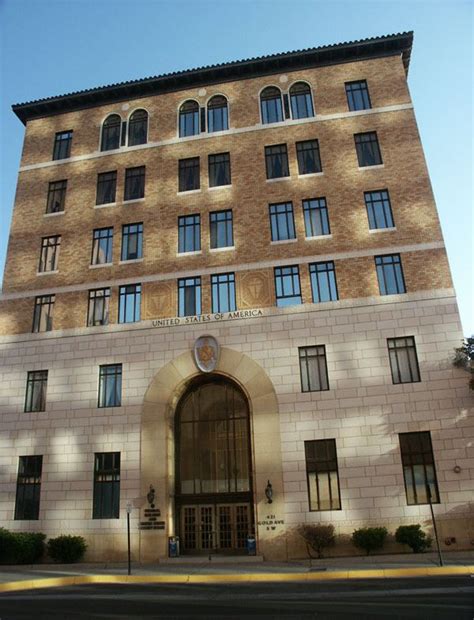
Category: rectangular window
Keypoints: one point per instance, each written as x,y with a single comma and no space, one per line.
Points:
43,313
390,274
129,303
110,385
368,150
189,233
287,286
313,369
28,488
223,292
132,241
102,239
98,311
36,384
379,210
357,96
62,145
309,159
282,222
221,229
419,470
403,360
316,219
219,169
189,296
323,282
276,161
49,253
106,503
322,474
56,196
189,174
134,183
106,187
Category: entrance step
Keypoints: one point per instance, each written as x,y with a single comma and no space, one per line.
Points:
215,559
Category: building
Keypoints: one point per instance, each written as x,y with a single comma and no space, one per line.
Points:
227,304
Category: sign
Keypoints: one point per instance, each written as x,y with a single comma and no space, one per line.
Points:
206,353
151,520
270,522
208,318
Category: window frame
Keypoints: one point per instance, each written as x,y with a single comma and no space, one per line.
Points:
271,158
129,232
109,238
134,185
189,227
264,115
225,294
301,160
103,193
41,302
116,372
218,220
394,360
98,495
183,173
279,276
330,271
321,214
92,303
362,152
58,146
225,115
127,296
49,245
308,97
34,473
105,138
382,267
304,358
182,301
33,378
311,467
212,168
52,191
196,123
374,213
407,459
282,216
350,95
131,122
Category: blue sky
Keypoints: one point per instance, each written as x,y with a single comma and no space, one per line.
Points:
54,47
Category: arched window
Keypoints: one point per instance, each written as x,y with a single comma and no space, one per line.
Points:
271,105
138,128
111,133
189,119
301,101
217,114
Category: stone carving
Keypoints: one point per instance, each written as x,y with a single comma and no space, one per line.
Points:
206,353
255,289
159,302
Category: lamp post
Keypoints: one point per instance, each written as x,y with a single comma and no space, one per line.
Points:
129,510
434,525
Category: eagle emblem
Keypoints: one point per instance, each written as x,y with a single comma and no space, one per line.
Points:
206,353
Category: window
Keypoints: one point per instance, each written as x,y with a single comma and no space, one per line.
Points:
189,233
102,239
106,503
316,220
189,296
219,169
223,292
322,474
221,229
189,174
111,133
282,222
43,313
49,253
309,160
323,282
189,119
129,303
276,160
36,383
132,241
368,150
98,311
28,488
390,274
403,360
62,145
419,470
301,101
110,385
138,128
357,96
134,183
217,114
106,186
271,105
287,286
56,196
313,369
379,210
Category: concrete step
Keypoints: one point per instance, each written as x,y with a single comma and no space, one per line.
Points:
215,559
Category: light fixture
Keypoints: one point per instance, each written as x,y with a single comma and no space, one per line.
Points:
269,492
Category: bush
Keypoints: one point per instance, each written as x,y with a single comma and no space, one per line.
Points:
414,537
369,538
21,547
67,548
317,537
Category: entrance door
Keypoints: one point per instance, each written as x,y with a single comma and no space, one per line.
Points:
219,528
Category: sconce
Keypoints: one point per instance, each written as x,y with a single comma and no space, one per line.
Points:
269,492
151,496
457,469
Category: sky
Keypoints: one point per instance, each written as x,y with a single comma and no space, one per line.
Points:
54,47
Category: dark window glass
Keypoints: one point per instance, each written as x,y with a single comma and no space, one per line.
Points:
111,133
357,96
403,360
322,474
129,303
98,311
106,504
221,229
390,274
106,186
134,183
316,220
301,101
223,292
56,196
36,384
419,470
276,161
287,286
138,128
379,210
102,239
217,114
313,369
189,233
43,313
28,488
271,105
282,222
309,160
62,145
189,119
323,282
368,150
132,241
188,174
110,385
219,169
189,296
49,253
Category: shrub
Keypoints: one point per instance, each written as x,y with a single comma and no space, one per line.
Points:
317,537
414,537
21,547
369,538
67,548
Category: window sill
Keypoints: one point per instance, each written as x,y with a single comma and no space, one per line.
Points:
53,213
216,187
225,249
132,200
381,230
280,241
107,204
100,265
310,174
318,237
279,179
46,273
375,167
194,253
188,191
132,260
